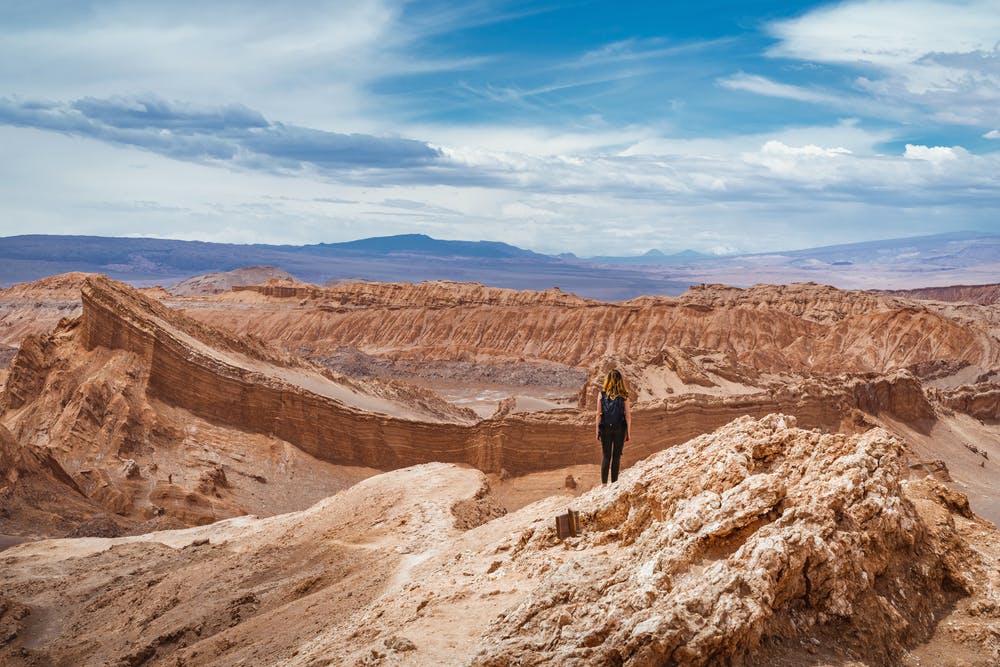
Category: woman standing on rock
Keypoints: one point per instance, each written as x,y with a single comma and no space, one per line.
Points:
614,418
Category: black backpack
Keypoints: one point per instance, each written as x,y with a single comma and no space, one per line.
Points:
612,411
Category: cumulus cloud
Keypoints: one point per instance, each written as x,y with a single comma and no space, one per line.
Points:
992,134
638,190
232,134
934,153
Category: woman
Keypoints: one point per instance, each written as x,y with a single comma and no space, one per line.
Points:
614,417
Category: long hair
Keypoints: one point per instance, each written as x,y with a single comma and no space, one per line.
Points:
614,385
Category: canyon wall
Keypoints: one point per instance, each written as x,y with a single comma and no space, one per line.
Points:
984,295
792,328
240,385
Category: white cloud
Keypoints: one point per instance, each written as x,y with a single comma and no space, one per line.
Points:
934,153
992,134
852,103
764,86
788,189
941,57
809,164
810,150
519,209
888,33
304,62
847,133
310,68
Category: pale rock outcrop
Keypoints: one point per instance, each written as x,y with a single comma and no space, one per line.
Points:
758,544
216,283
705,553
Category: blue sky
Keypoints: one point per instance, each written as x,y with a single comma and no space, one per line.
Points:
591,127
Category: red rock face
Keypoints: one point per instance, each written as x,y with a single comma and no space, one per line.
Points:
797,328
984,295
36,307
257,400
216,283
742,545
37,496
981,400
99,388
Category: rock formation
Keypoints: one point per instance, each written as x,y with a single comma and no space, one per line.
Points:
109,387
145,352
761,543
758,544
216,283
38,497
981,400
36,307
984,295
121,382
793,328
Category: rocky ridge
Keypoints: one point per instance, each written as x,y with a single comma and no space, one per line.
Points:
762,543
121,382
751,545
36,307
983,295
216,283
791,328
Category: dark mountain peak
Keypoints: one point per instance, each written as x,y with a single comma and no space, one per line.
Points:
421,244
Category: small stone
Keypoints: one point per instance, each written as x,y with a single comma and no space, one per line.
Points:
131,469
400,644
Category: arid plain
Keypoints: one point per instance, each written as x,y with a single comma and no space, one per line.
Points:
248,469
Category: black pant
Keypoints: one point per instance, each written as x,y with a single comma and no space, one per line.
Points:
612,443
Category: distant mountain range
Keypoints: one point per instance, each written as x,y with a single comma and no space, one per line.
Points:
404,258
961,257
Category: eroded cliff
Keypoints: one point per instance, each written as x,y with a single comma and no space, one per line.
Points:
798,328
134,380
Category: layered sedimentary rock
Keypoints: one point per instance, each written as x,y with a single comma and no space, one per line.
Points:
981,400
105,389
245,384
759,544
38,497
796,328
133,380
144,408
432,294
216,283
984,295
36,307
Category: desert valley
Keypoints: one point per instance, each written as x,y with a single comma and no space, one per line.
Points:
506,333
243,468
